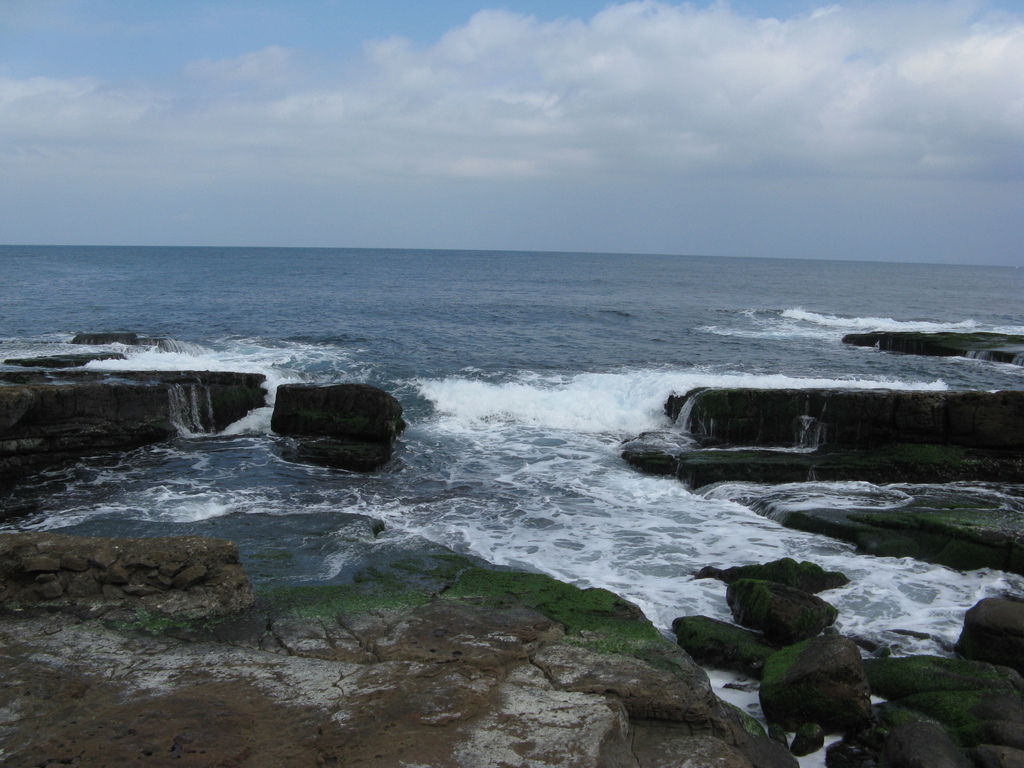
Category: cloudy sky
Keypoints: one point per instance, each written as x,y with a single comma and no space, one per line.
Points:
871,130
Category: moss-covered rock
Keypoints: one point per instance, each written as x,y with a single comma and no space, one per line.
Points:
820,680
896,678
724,646
962,532
785,614
965,697
805,575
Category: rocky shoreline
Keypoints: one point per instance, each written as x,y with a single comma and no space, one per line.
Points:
160,651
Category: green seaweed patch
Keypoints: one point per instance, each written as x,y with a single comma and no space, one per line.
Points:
716,643
327,601
593,618
749,723
896,678
954,710
755,597
151,623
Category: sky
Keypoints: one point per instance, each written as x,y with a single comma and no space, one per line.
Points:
867,130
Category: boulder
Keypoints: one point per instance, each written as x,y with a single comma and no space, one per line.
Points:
721,645
996,347
993,631
993,756
820,680
785,614
351,426
53,421
922,745
806,576
185,577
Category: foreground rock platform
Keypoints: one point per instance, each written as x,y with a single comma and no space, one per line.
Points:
995,347
439,662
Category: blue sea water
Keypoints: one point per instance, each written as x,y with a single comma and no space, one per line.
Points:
520,374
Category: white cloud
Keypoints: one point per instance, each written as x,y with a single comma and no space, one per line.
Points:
641,89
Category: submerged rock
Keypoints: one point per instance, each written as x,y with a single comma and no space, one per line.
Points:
996,347
63,361
349,426
994,631
947,526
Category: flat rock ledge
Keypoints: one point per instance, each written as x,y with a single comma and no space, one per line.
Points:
53,418
458,665
184,577
994,347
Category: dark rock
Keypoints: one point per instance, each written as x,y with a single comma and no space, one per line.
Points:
806,576
717,644
895,463
330,452
922,745
98,339
809,737
820,680
216,584
993,756
858,418
63,361
994,631
785,614
52,422
354,425
355,412
997,347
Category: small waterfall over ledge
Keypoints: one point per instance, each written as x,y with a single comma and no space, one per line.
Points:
190,409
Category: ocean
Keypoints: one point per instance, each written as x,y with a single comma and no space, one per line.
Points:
521,374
